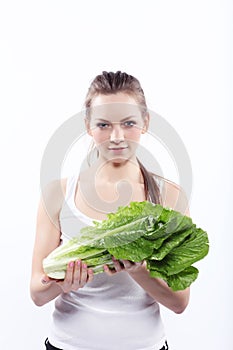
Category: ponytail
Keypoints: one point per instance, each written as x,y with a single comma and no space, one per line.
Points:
151,188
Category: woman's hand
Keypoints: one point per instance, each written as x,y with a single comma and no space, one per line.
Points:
77,275
125,265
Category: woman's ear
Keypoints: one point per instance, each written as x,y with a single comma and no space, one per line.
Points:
146,120
88,127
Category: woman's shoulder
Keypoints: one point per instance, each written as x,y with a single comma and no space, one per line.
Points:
55,187
172,195
53,195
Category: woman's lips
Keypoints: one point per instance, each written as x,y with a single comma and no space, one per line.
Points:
117,149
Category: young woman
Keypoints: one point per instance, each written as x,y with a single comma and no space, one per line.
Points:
116,309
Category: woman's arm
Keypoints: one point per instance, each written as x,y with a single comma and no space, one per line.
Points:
42,288
155,287
47,239
158,289
173,197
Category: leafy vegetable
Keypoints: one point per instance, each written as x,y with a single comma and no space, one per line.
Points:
169,242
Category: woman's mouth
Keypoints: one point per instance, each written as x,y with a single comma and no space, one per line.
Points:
117,149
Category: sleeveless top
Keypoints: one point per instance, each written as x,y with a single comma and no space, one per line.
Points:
111,312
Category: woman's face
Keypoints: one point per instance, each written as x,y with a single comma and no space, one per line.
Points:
116,124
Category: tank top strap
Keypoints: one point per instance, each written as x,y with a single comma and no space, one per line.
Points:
70,217
71,185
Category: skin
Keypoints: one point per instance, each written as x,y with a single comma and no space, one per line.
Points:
116,125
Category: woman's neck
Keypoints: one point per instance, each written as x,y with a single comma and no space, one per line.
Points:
113,172
105,186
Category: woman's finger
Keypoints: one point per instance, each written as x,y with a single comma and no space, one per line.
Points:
127,264
134,266
109,271
77,275
68,280
90,274
83,277
117,264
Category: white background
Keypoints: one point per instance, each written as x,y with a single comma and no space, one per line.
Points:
181,51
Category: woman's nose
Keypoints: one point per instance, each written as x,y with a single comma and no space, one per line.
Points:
117,134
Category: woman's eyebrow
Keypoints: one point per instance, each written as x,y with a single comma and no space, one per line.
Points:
101,120
122,120
129,117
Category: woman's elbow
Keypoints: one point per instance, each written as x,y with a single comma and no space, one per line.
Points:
182,303
180,309
36,294
36,299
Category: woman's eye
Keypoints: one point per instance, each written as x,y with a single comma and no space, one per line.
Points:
129,123
103,125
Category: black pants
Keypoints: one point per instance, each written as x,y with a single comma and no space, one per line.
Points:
51,347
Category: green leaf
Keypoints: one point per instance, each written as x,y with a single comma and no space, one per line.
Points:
172,242
175,222
135,251
195,248
128,214
183,279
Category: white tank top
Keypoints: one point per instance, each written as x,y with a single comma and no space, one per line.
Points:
111,312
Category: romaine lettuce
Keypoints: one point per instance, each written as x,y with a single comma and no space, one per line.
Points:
169,242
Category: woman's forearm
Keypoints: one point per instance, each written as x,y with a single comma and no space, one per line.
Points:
159,290
43,293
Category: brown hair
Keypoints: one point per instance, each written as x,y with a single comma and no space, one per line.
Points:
111,83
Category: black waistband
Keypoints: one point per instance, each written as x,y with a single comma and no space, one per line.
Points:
51,347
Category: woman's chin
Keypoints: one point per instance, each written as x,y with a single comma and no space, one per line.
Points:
118,161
